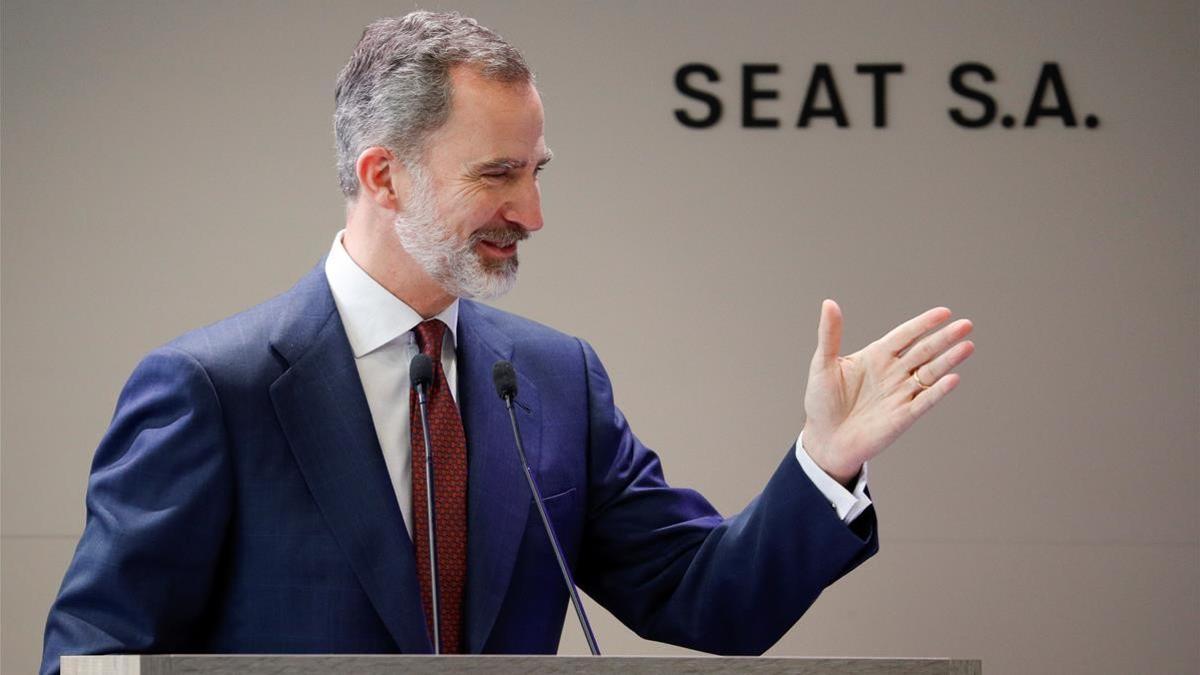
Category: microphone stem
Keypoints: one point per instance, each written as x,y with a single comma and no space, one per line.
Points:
558,555
430,518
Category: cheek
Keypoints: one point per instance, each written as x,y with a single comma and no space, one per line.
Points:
473,215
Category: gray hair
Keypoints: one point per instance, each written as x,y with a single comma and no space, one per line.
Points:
395,91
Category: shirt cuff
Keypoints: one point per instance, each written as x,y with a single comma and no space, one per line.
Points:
849,505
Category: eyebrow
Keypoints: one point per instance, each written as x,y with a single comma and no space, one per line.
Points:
509,164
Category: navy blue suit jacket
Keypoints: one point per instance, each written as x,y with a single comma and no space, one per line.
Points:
239,502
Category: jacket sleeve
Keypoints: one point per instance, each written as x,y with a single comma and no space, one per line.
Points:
158,504
666,564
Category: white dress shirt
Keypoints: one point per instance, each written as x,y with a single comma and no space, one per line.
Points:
847,504
380,329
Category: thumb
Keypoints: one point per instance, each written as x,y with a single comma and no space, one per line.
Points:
829,333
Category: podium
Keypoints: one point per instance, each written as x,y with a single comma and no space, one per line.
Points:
217,664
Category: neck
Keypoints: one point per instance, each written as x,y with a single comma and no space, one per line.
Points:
372,245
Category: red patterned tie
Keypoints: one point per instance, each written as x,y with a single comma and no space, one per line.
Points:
449,494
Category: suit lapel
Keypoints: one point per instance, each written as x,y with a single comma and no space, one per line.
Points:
498,500
323,412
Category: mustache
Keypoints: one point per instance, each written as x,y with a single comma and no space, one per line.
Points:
500,236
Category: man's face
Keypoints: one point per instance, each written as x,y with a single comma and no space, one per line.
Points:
475,194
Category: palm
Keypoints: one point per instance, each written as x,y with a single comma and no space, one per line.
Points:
857,405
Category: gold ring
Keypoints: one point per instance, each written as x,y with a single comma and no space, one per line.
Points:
919,382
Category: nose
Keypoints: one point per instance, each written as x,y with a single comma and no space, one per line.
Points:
524,206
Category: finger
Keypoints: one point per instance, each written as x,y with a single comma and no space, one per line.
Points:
939,367
928,398
829,333
931,345
900,337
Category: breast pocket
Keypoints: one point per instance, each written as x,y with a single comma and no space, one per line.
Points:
566,516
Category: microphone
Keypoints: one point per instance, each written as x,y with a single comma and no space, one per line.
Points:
504,376
420,374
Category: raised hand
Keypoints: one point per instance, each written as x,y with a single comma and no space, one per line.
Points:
857,405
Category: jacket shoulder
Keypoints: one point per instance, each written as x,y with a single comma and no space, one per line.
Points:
527,334
235,344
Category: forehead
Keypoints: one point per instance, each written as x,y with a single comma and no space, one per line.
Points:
491,119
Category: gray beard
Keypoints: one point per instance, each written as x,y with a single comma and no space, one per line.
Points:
454,265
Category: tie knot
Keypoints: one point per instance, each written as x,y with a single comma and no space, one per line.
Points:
429,338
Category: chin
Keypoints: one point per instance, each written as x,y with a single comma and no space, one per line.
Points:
484,279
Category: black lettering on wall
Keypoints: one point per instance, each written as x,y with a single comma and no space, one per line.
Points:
714,104
960,87
879,73
750,94
1050,78
822,78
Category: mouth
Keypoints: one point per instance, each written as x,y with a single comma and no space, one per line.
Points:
499,243
496,250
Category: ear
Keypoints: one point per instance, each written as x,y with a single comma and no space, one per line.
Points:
382,178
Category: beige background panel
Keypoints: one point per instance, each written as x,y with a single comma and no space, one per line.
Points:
33,568
167,164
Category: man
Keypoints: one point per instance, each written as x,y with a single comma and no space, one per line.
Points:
257,492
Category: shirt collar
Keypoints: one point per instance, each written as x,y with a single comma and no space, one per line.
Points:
371,315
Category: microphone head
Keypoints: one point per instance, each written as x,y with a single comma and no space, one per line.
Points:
420,370
505,378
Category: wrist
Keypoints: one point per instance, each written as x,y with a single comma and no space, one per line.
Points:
825,456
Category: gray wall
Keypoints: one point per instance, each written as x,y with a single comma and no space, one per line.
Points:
166,164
